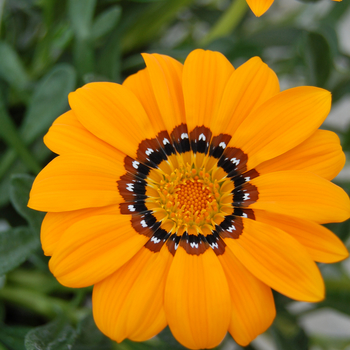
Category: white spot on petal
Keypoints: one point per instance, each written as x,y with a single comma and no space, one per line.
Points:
155,240
231,228
194,245
135,164
247,178
143,223
149,151
235,161
222,145
201,137
130,187
165,141
184,136
246,196
131,207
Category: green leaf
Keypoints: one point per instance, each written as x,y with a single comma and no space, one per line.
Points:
105,22
318,58
89,337
19,195
16,245
49,100
11,67
81,13
13,336
341,89
56,335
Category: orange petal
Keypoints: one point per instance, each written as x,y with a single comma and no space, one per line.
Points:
67,135
281,123
205,76
166,74
320,154
303,195
55,224
129,303
93,248
322,244
197,300
71,182
278,260
140,84
112,113
259,7
253,307
249,86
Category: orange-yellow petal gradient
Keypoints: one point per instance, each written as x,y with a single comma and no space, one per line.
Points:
93,248
303,195
278,260
259,7
249,86
71,182
166,75
112,113
55,224
197,300
320,154
67,135
129,303
204,79
281,123
321,244
253,307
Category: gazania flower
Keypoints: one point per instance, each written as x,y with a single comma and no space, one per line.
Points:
259,7
187,193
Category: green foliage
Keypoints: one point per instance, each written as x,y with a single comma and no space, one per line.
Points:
48,48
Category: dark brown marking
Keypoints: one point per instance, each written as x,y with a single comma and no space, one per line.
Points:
156,242
181,139
233,161
218,145
173,243
216,243
136,168
231,227
239,180
194,245
145,224
200,138
131,188
150,153
245,195
133,207
166,143
244,212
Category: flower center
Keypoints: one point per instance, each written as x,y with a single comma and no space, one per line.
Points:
190,199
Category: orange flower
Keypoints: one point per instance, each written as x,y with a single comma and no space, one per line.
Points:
187,193
259,7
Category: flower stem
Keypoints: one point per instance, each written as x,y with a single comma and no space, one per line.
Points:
44,305
227,22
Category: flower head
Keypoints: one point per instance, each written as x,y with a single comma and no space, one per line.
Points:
187,193
259,7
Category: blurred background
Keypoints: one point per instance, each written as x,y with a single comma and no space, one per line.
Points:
50,47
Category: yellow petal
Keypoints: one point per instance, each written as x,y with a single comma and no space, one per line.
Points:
112,113
55,224
73,182
166,74
259,7
129,303
281,123
322,244
93,248
67,135
278,260
249,86
205,76
197,299
253,307
320,154
303,195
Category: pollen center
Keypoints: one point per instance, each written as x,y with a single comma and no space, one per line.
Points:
193,196
190,199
